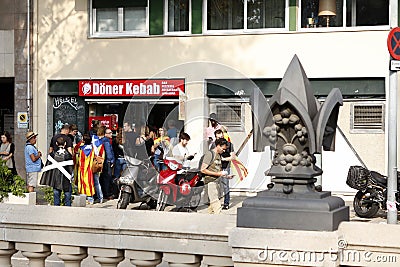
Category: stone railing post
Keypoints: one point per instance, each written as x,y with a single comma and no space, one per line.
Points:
143,258
36,253
181,260
277,247
72,256
7,249
107,257
217,261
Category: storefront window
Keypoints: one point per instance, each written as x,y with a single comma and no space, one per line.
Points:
243,15
178,15
119,17
330,13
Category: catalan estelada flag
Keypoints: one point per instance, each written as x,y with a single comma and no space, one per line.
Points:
238,169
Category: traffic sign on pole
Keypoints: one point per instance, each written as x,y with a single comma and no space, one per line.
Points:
393,43
22,119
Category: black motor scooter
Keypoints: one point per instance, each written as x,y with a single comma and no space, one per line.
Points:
137,184
372,191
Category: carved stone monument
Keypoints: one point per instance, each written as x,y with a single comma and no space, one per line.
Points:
296,126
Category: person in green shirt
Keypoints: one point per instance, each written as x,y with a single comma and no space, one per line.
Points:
211,168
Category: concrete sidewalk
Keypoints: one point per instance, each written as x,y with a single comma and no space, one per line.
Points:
236,202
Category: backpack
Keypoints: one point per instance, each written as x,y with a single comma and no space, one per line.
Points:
59,155
201,175
97,165
98,161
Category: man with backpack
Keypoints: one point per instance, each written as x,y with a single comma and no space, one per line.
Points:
64,134
58,172
211,168
227,156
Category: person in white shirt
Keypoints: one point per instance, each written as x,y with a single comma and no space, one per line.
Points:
180,152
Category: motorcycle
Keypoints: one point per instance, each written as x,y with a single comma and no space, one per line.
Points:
179,186
372,191
137,184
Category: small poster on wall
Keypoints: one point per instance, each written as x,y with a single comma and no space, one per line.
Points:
104,120
108,120
113,122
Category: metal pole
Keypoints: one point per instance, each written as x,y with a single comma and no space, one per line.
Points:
392,149
392,131
28,64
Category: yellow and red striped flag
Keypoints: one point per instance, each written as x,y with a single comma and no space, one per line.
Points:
238,169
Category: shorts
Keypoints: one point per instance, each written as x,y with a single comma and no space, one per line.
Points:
31,178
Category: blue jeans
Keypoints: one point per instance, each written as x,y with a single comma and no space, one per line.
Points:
158,164
57,196
97,188
120,165
225,185
107,179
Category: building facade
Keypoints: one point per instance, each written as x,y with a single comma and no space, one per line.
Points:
15,73
221,50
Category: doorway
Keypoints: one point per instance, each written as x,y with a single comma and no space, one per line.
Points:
154,115
7,105
160,114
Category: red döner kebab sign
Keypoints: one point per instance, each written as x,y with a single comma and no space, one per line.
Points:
151,87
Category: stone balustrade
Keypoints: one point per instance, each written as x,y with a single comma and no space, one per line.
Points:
110,236
147,238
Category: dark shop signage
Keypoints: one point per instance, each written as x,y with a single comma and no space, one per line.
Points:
151,87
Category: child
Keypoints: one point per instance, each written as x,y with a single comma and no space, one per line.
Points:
59,177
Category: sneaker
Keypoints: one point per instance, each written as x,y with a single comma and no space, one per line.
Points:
225,207
101,201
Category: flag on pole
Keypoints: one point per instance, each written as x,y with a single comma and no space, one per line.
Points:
238,169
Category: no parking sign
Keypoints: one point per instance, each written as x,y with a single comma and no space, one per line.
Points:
393,43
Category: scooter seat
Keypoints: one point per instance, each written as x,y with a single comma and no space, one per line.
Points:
193,170
190,175
379,178
185,176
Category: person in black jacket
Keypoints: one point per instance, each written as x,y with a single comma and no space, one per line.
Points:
59,177
120,163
